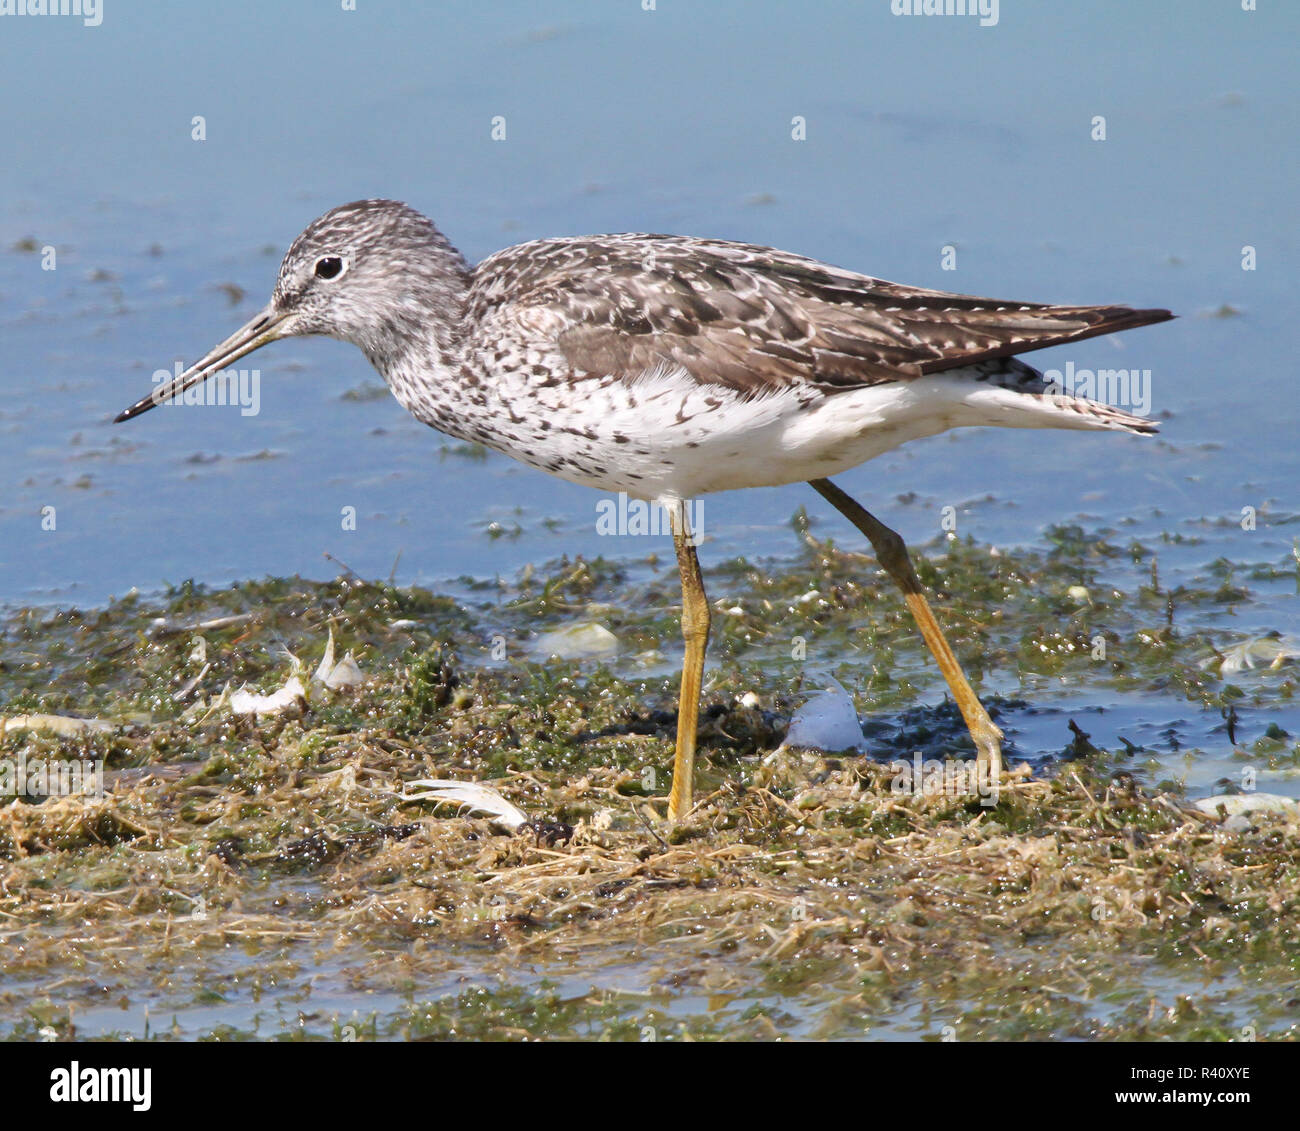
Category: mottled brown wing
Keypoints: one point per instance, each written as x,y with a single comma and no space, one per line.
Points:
756,319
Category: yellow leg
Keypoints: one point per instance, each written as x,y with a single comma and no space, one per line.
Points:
891,552
695,631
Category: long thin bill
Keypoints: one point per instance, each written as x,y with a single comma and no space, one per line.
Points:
266,327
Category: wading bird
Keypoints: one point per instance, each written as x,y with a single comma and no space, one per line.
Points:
668,367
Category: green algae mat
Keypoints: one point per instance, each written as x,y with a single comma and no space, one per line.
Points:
242,855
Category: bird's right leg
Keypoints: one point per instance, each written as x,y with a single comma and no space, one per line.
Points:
695,632
891,552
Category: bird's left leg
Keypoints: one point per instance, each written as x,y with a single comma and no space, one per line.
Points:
891,552
695,632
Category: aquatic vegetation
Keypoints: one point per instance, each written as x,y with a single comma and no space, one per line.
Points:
809,894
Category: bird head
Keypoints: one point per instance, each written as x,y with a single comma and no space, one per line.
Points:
368,272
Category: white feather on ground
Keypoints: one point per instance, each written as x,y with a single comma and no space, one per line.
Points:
244,702
1239,804
338,677
1240,809
471,796
1262,651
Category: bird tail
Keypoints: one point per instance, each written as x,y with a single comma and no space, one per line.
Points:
1080,412
1070,398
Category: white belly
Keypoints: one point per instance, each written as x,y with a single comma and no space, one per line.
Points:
667,436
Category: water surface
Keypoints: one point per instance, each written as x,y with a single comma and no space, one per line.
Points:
920,134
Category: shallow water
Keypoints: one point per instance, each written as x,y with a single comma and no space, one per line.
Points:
921,133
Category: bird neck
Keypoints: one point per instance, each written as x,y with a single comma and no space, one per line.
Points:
419,350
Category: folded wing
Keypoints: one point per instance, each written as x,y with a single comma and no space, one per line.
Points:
756,320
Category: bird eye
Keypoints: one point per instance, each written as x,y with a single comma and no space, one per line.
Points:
329,267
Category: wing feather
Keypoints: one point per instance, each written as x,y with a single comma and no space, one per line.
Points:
755,319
